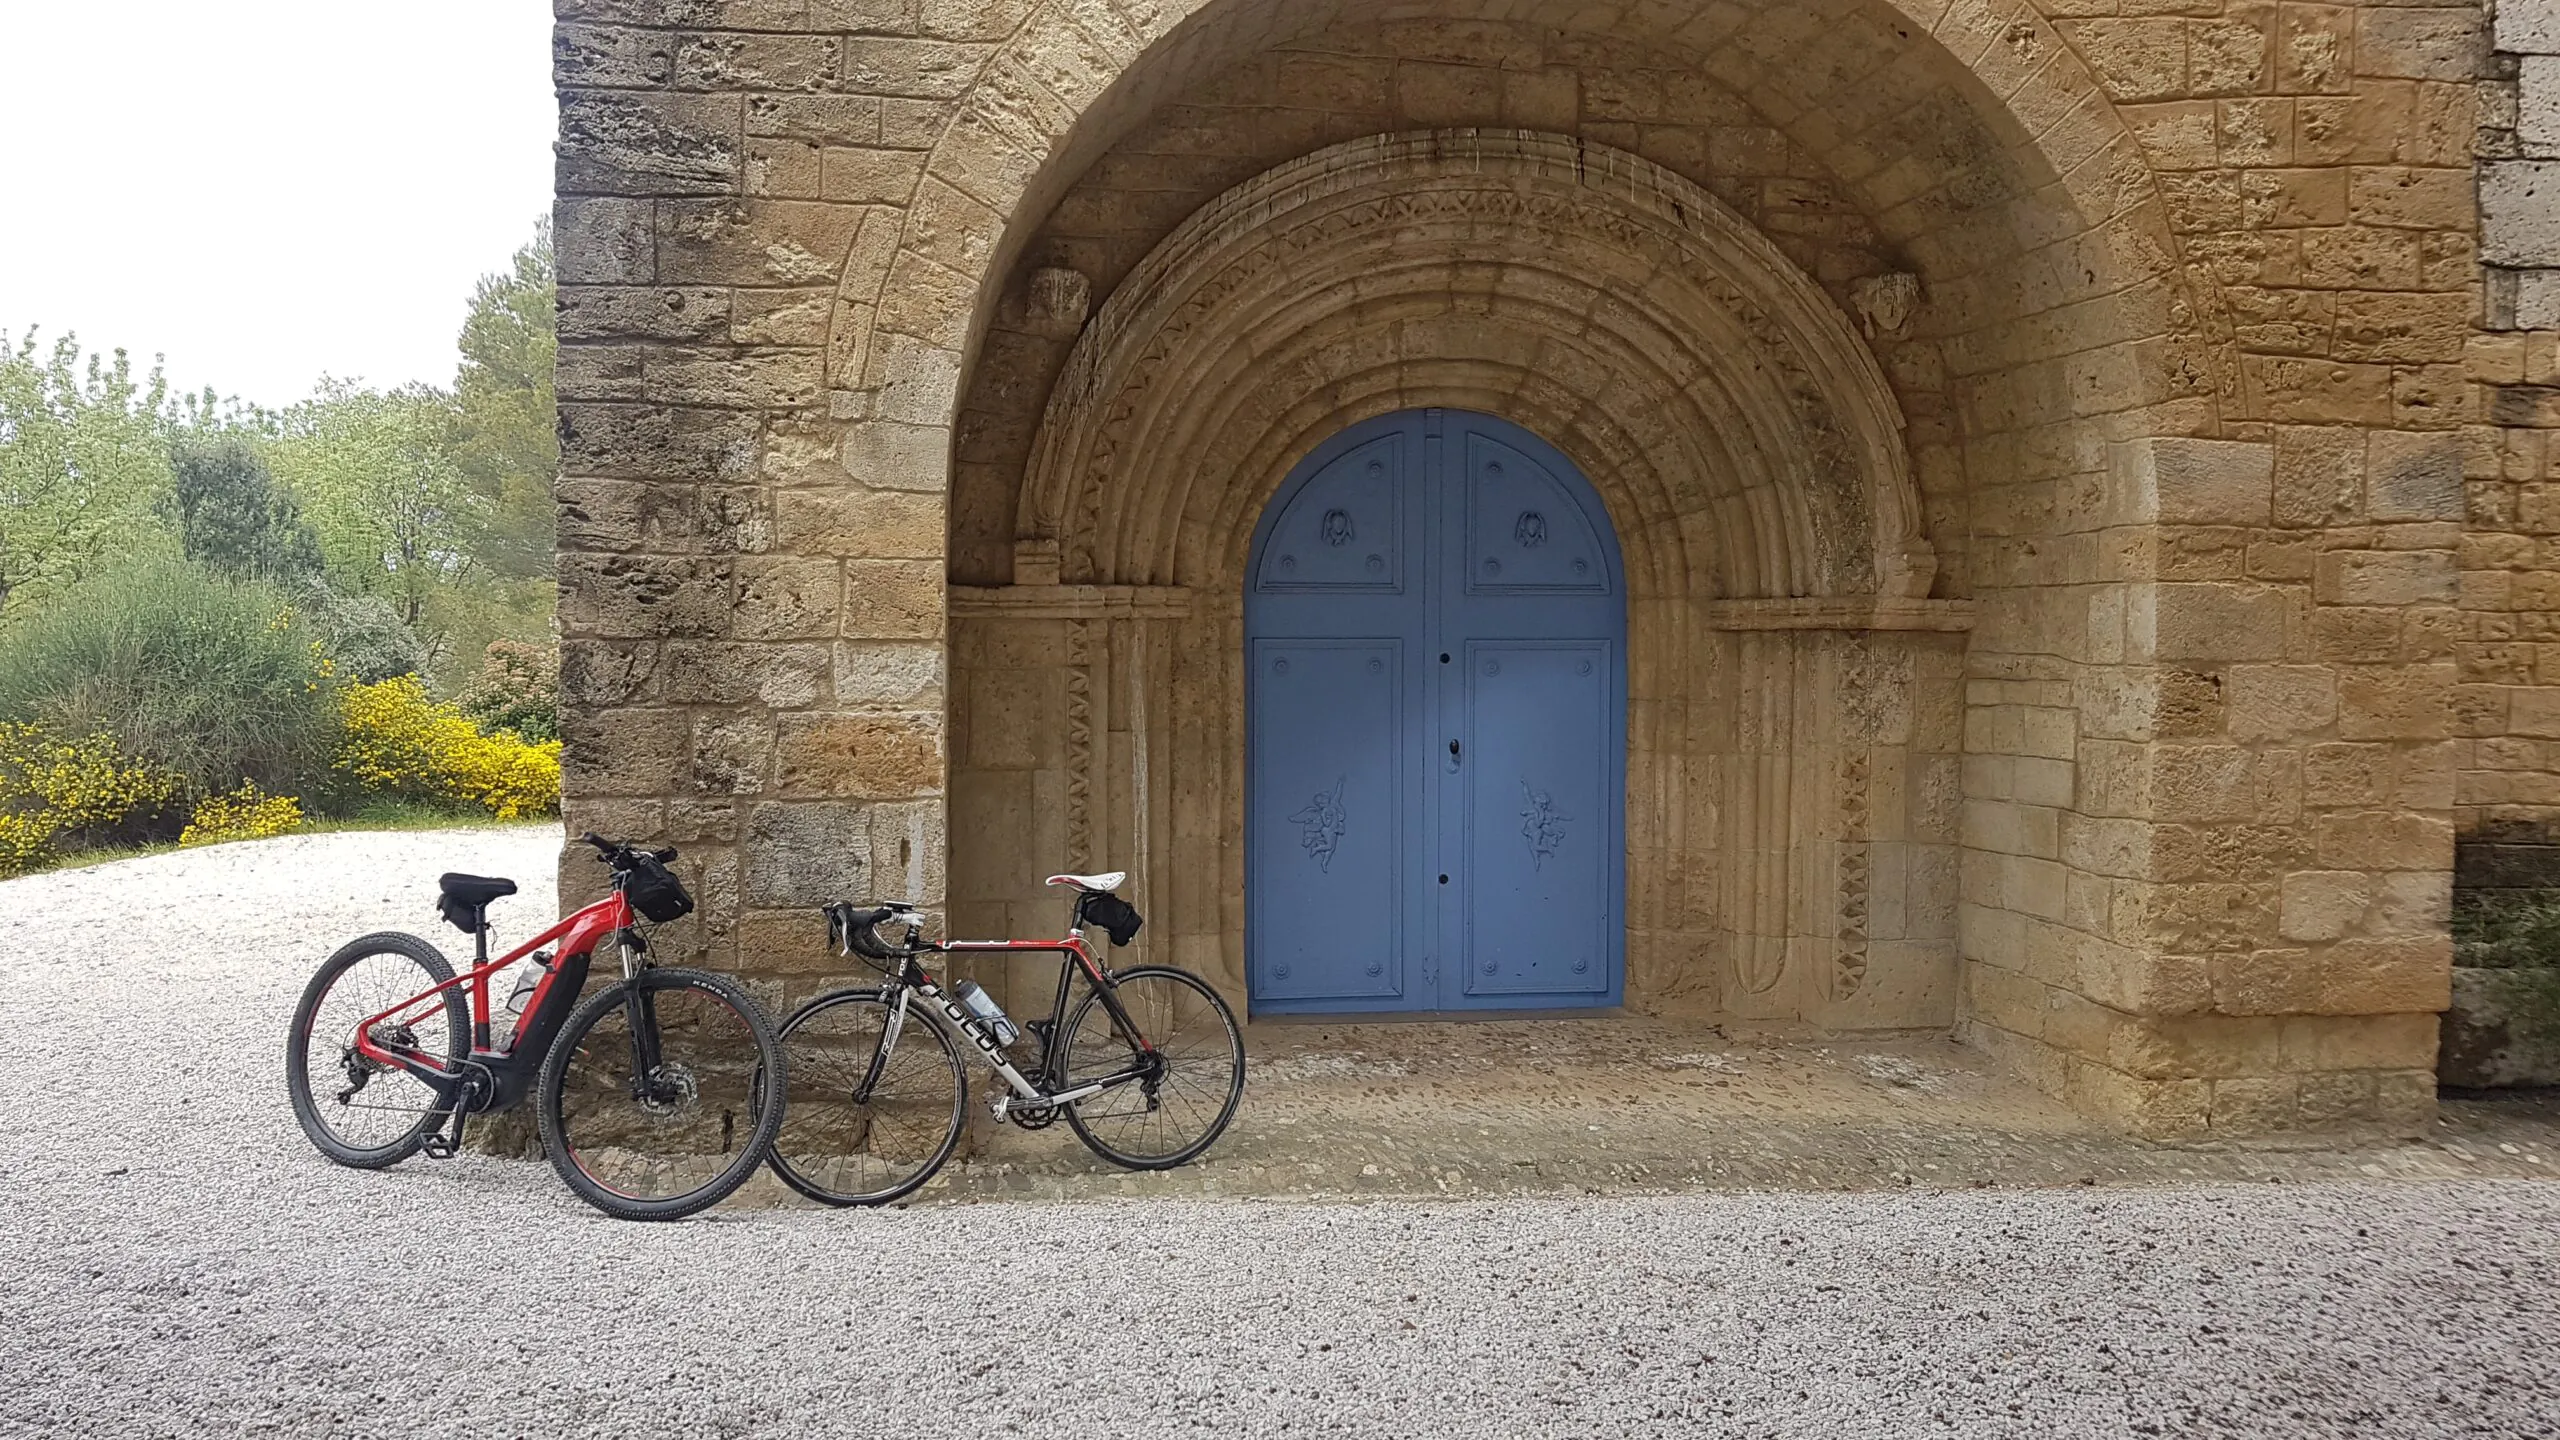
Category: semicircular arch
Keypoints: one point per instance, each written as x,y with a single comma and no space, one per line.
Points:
1382,273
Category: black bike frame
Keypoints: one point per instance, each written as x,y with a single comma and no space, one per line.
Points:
1049,1087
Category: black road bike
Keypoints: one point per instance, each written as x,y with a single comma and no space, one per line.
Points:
1146,1065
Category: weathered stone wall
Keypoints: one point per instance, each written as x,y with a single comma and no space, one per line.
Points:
2220,845
2189,363
2507,709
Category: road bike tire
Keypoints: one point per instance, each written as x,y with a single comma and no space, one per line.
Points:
680,1149
1155,1127
908,1126
412,965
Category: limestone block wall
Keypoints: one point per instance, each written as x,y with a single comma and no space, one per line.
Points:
2209,747
2507,713
2207,412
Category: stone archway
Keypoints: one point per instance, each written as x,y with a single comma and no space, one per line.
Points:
2179,383
1606,293
1781,645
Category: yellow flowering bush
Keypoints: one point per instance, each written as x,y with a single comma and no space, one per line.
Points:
247,813
396,741
51,788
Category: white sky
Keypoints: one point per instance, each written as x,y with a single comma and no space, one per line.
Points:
268,190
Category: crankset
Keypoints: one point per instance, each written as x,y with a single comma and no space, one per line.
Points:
468,1097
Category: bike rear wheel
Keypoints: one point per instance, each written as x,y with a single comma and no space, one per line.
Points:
662,1143
1186,1038
359,1111
864,1128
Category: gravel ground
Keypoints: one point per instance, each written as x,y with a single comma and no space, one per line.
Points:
181,1263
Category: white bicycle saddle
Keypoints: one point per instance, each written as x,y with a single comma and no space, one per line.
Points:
1104,883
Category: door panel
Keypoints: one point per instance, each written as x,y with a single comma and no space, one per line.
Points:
1331,843
1525,531
1436,741
1537,837
1343,530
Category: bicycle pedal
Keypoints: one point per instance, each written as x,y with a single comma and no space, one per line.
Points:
444,1145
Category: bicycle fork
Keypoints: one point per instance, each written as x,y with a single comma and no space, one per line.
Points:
640,1012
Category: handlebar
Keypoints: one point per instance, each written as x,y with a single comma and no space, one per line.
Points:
853,929
622,854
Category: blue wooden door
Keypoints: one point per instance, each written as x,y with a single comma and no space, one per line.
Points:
1435,628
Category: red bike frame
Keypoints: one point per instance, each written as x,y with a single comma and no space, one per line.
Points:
577,935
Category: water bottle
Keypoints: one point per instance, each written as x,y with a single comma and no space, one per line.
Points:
984,1006
528,976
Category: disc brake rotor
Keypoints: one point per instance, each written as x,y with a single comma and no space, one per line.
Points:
672,1096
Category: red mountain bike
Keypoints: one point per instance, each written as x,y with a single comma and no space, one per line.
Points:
1145,1064
657,1097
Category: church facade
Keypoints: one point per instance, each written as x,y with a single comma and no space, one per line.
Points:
2027,517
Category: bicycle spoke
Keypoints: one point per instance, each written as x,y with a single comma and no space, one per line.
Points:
845,1145
664,1135
390,1102
1195,1070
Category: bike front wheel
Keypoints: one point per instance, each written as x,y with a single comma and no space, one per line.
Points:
868,1121
1188,1057
662,1094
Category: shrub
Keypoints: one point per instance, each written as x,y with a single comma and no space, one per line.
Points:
56,792
518,689
395,741
363,635
209,678
247,813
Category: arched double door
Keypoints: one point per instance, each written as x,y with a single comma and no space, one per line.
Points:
1435,623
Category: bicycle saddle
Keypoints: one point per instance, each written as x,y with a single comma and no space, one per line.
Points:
1102,884
474,890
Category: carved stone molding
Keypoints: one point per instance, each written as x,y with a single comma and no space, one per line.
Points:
1080,746
1070,602
1624,313
1847,612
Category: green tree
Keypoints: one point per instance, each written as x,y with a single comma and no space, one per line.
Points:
83,458
233,518
396,516
506,437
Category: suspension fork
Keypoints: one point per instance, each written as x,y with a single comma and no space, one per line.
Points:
640,1012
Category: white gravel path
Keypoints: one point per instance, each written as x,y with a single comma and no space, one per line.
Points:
178,1262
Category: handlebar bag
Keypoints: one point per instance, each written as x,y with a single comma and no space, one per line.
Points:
1118,918
655,892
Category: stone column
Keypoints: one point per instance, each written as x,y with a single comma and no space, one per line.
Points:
751,523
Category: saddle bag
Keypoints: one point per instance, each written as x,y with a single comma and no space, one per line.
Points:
655,892
458,915
1118,918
